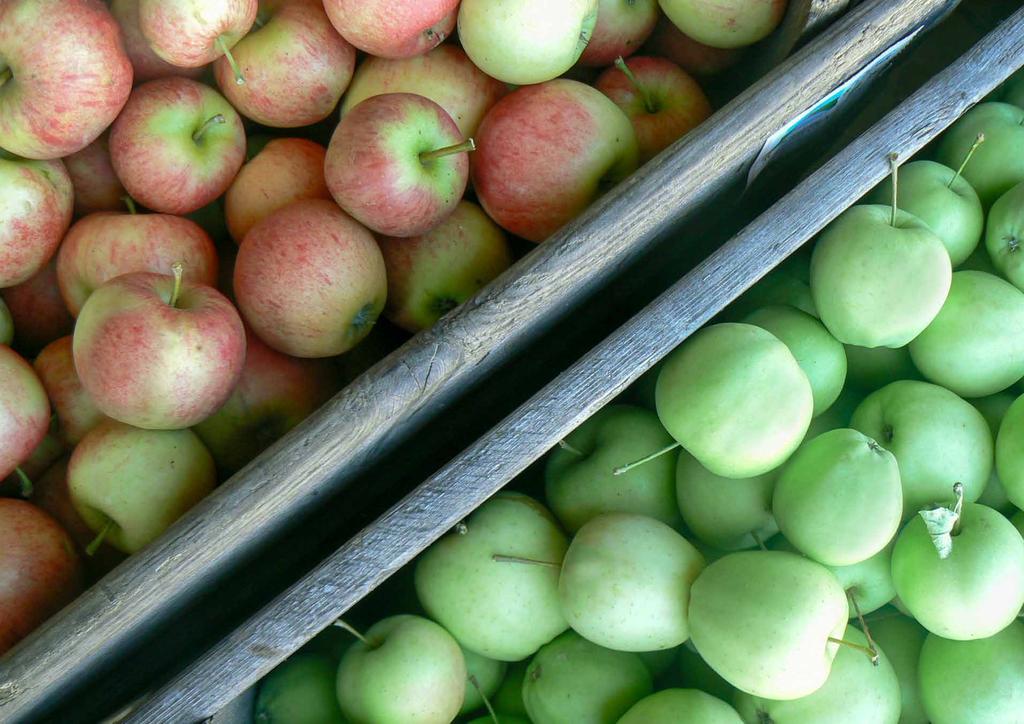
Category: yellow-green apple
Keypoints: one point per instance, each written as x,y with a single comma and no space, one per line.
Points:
156,352
432,274
130,485
35,212
545,152
146,63
668,41
38,566
177,146
526,41
398,164
108,244
191,33
76,412
661,99
445,75
997,164
310,280
622,27
390,29
24,410
57,96
97,187
287,169
274,394
295,66
38,310
725,23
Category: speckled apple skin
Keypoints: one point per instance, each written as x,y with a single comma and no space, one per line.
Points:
391,29
35,210
185,32
24,410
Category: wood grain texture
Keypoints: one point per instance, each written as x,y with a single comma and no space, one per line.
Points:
420,380
449,496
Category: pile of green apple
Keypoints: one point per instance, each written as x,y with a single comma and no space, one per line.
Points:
809,513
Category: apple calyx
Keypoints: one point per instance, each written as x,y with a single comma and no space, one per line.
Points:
869,650
223,48
129,202
95,543
207,124
943,524
649,105
980,139
575,451
487,702
340,623
895,170
465,147
179,270
499,558
851,594
637,463
26,483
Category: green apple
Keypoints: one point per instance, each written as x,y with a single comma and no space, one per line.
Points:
625,583
998,163
786,284
879,276
129,485
971,590
1004,235
993,408
483,677
1010,452
574,680
725,23
937,438
493,583
943,200
857,691
579,478
819,354
745,381
974,681
838,499
695,673
871,368
523,42
766,620
680,706
730,514
973,347
900,638
406,670
509,696
300,691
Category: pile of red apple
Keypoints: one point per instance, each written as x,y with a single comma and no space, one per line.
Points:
184,274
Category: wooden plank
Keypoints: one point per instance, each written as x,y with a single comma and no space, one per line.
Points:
439,503
380,410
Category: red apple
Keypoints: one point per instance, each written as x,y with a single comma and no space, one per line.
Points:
393,28
97,187
445,75
660,98
546,151
295,66
38,310
177,146
274,394
157,353
622,27
108,244
34,214
397,163
287,169
64,75
38,567
432,274
191,33
76,412
670,42
310,280
24,410
147,64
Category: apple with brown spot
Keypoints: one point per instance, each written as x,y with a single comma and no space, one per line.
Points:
390,29
24,410
622,27
97,187
38,310
76,412
145,62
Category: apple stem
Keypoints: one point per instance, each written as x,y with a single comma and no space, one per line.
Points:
757,539
223,48
26,483
211,121
498,558
346,627
974,147
958,507
179,270
487,702
637,463
5,75
649,106
893,158
575,451
863,625
870,651
94,545
468,145
130,203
